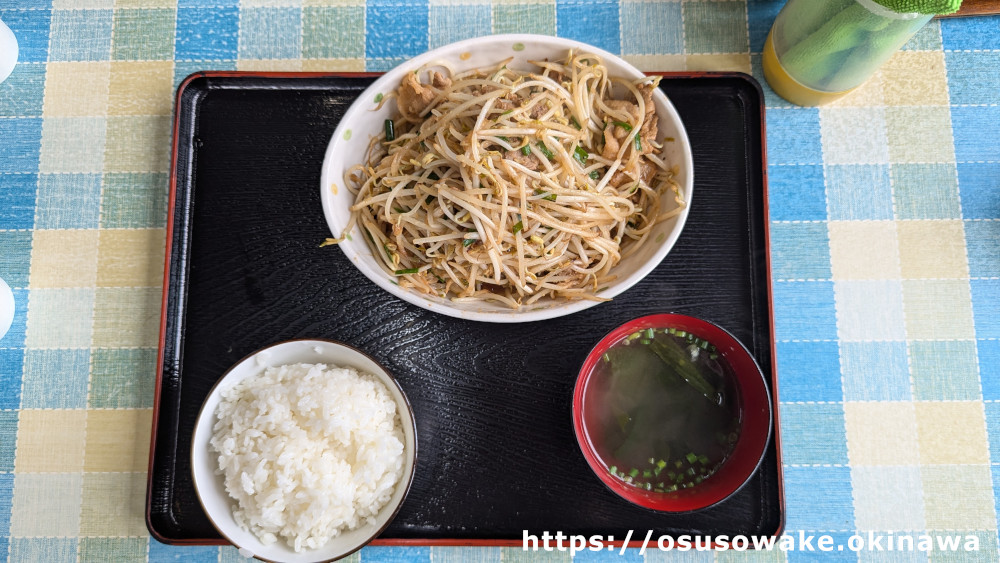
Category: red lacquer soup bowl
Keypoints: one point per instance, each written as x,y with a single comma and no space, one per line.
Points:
707,386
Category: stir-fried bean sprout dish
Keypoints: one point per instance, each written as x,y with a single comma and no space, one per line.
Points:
511,186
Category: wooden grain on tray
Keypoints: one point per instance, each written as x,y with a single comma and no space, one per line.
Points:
976,8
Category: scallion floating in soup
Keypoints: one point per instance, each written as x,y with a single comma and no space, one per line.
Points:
666,412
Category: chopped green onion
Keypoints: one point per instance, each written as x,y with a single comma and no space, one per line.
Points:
607,359
595,175
378,97
713,356
638,144
507,112
574,122
650,332
517,228
390,130
702,459
581,155
613,469
468,242
423,146
526,150
503,138
645,341
633,473
691,457
407,271
623,125
647,474
545,150
548,195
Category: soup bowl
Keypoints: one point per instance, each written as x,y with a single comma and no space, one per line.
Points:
684,481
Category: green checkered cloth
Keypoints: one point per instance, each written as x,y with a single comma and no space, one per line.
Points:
922,6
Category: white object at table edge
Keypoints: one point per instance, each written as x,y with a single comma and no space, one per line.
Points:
8,51
6,308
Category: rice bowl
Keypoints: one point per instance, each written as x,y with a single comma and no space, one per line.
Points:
295,460
308,451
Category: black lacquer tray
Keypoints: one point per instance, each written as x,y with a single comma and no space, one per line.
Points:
497,453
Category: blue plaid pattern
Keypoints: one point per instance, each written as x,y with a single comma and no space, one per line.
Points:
865,346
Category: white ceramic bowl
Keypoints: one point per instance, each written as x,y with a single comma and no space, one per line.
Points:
350,140
8,51
210,487
6,308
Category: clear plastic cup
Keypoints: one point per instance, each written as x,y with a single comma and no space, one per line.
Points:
819,50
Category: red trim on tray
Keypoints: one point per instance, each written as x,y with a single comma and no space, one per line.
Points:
776,430
776,435
163,312
770,306
425,541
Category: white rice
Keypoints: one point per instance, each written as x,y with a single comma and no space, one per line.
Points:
308,451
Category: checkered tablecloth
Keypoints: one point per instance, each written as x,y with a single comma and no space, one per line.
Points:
885,239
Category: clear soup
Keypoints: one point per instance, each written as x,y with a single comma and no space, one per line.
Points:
663,410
